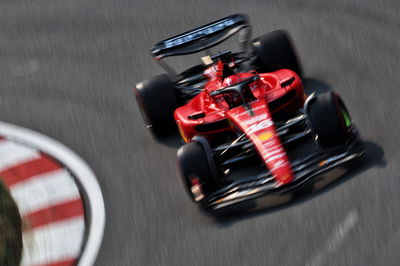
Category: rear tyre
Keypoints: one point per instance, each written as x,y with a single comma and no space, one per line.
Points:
196,170
157,101
275,51
330,119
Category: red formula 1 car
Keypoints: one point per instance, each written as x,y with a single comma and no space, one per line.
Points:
244,109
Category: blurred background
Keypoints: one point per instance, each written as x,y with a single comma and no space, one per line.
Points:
67,68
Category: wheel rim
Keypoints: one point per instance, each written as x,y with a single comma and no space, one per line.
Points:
196,189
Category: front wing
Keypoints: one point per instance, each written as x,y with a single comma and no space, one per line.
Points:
264,184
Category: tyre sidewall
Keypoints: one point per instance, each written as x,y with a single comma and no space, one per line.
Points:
192,162
327,121
157,101
275,51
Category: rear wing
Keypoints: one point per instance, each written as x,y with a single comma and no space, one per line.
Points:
201,38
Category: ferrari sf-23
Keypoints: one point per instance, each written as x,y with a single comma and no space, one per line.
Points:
244,108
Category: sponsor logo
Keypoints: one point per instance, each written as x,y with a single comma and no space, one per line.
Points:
273,151
197,34
279,164
269,143
255,119
265,136
259,126
274,155
277,156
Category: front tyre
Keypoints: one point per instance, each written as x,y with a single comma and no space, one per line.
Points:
196,170
157,101
330,120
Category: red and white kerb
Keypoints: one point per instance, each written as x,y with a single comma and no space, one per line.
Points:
49,203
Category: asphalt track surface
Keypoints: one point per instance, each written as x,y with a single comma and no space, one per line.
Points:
67,68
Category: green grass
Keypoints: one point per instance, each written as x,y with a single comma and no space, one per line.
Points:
10,230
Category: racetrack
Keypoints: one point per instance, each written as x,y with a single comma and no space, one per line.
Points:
67,68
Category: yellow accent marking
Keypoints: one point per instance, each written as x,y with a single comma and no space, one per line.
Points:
220,200
265,136
185,139
322,163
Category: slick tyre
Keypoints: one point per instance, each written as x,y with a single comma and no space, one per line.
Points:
330,120
195,170
157,101
275,51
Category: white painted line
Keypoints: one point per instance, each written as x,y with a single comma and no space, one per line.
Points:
81,171
44,243
337,237
44,190
12,154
